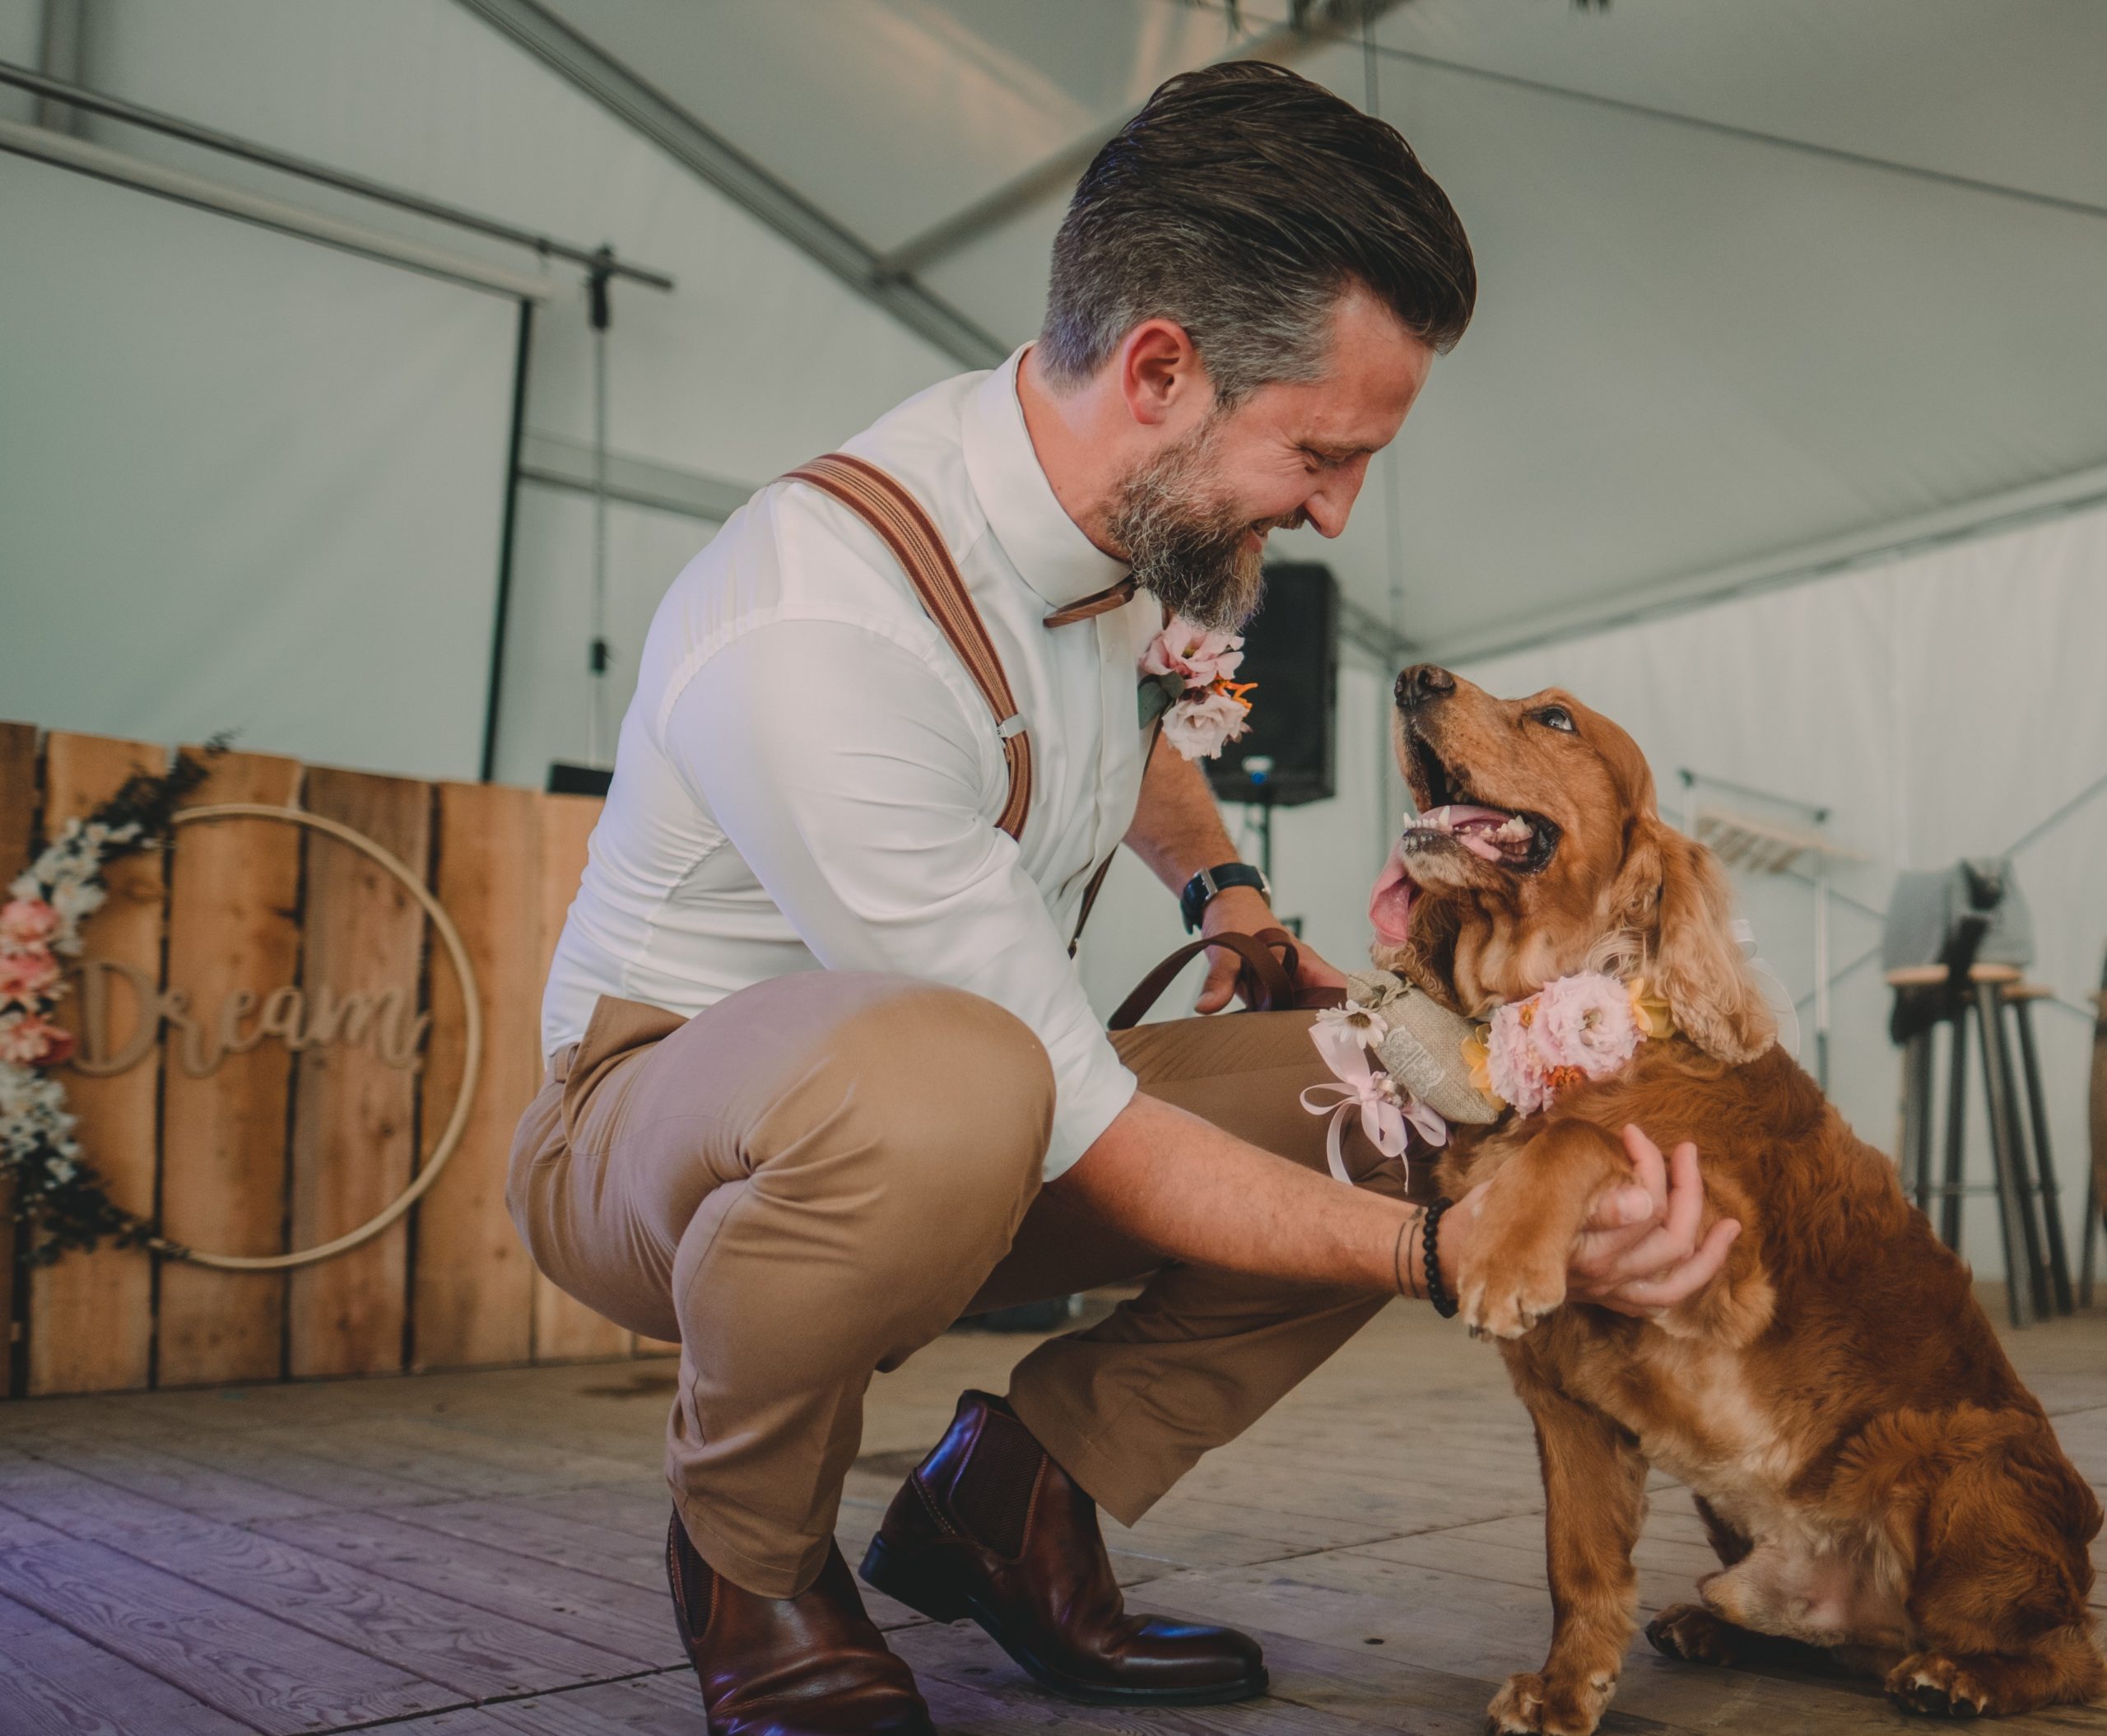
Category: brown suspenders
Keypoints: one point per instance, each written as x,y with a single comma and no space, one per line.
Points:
881,503
904,528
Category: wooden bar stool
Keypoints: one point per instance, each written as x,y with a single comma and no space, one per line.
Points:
2029,1217
2095,1195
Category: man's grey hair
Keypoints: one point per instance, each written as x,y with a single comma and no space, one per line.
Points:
1243,201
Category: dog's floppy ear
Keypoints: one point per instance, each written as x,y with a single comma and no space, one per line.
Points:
1697,964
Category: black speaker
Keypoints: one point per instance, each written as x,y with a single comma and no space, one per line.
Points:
569,780
1291,651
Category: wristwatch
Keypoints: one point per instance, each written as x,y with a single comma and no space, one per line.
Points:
1201,889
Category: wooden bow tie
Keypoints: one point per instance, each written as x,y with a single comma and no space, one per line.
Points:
1099,603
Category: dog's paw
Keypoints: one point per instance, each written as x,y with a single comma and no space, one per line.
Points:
1935,1685
1504,1297
1694,1635
1530,1706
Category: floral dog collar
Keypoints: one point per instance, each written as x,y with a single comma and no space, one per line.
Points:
1438,1068
1576,1029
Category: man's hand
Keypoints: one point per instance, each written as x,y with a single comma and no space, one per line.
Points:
1240,909
1639,1252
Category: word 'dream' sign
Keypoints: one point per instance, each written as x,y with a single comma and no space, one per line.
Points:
300,1017
304,1015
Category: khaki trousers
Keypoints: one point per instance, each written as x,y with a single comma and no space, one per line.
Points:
812,1179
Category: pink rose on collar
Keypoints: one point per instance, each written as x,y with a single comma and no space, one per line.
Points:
26,922
1587,1022
1201,657
1577,1028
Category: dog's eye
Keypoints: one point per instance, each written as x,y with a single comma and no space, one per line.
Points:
1557,717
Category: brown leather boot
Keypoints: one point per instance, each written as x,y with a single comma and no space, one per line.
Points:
811,1665
989,1526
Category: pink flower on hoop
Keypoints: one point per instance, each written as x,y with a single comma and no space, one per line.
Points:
31,1040
28,973
26,923
1201,657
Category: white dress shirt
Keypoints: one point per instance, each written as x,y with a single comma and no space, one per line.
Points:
807,777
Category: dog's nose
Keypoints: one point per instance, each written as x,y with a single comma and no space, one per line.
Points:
1422,684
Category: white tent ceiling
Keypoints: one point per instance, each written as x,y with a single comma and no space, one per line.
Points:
1758,277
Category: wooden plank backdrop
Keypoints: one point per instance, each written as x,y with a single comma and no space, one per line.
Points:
288,1144
564,1327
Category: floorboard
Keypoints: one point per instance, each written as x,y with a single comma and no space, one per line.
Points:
479,1555
53,1683
234,1659
628,1624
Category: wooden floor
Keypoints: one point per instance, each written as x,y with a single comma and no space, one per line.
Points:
479,1555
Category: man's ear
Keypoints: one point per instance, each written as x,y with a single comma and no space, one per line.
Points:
1695,961
1159,371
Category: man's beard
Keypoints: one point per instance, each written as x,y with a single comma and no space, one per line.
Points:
1186,544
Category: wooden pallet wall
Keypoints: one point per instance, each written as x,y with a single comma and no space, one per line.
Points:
275,1148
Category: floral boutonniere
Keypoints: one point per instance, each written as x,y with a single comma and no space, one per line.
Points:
1185,680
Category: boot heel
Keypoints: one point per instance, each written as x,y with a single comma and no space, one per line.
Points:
882,1571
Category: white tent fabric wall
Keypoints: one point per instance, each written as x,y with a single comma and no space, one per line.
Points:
248,482
757,361
1942,705
543,713
21,33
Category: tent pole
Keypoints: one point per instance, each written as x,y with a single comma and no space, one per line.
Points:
78,98
507,540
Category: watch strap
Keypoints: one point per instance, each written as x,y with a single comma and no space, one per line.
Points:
1201,889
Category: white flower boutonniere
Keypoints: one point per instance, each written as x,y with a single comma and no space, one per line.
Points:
1185,680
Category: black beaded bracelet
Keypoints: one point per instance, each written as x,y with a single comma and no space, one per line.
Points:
1445,1303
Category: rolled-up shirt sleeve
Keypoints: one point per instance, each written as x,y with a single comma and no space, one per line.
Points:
852,783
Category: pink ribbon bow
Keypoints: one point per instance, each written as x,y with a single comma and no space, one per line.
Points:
1385,1111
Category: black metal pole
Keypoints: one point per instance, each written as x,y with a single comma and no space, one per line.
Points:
1956,1123
2015,1210
96,102
2045,1167
506,537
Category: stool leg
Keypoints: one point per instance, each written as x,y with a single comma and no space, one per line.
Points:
2091,1234
1924,1123
1905,1142
2037,1110
2014,1218
2026,1177
1956,1124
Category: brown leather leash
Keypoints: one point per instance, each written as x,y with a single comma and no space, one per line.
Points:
1265,980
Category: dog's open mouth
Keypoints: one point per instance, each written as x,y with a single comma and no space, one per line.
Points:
1450,818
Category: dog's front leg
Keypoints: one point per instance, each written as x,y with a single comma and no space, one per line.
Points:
1595,1488
1526,1219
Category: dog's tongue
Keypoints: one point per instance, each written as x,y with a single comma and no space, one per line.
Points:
1390,905
1478,829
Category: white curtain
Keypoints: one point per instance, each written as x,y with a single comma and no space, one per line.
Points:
246,481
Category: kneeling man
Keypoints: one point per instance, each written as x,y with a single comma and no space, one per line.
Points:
822,1078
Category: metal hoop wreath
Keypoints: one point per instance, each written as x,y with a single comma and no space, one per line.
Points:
472,1059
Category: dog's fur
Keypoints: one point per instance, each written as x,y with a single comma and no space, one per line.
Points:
1873,1476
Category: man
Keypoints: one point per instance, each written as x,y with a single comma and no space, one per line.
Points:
823,1078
